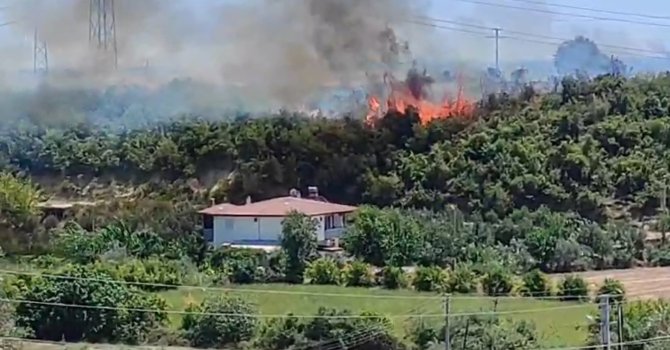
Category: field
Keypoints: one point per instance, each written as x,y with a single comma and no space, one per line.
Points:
557,322
645,283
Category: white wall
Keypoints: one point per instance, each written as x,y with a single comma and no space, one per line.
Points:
231,229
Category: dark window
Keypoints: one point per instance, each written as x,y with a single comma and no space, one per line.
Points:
208,221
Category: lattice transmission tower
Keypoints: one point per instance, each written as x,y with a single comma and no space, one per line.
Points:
40,55
102,27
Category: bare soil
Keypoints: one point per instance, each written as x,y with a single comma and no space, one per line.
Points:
645,283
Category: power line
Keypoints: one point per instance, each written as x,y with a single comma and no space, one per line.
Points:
287,315
577,15
536,41
542,295
541,36
621,13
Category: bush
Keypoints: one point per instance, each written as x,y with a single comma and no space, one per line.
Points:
462,279
298,243
659,256
105,320
430,279
150,275
393,277
281,333
536,284
497,282
573,287
358,274
242,266
219,321
613,288
323,271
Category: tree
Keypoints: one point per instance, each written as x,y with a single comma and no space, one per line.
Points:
298,242
18,202
101,313
219,321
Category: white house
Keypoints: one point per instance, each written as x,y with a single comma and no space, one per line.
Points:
260,223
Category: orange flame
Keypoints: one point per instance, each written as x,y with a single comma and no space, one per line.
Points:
401,98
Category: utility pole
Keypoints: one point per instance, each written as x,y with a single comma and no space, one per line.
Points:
497,37
40,55
102,27
605,337
447,310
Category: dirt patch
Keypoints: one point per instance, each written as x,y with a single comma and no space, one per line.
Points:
647,282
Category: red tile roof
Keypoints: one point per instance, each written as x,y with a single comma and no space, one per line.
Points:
279,207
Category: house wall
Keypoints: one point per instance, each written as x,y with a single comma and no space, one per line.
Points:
232,229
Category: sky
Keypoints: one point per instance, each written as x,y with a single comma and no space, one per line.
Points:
467,46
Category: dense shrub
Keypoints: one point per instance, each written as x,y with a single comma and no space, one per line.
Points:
393,277
430,279
462,279
497,282
323,271
281,333
573,287
219,321
614,288
150,274
107,318
358,274
241,266
536,284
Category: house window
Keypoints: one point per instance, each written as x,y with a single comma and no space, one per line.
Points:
229,224
330,222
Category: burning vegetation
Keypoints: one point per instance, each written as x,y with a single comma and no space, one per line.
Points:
415,92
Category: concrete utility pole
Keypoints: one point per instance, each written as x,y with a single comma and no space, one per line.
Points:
605,337
102,27
40,55
447,335
497,37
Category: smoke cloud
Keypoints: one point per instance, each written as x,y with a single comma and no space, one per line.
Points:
280,52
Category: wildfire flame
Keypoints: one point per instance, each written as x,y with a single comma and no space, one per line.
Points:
411,93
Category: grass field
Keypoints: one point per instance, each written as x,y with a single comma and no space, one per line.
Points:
558,323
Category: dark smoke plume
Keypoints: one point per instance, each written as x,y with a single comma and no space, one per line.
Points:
253,54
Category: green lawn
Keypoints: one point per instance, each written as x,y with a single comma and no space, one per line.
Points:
557,327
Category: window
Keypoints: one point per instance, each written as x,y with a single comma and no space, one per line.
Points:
330,222
229,224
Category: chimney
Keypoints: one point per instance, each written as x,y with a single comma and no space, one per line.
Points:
313,192
248,200
212,201
294,193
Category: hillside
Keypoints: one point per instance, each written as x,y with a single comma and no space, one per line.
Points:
584,149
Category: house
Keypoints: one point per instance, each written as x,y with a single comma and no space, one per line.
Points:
260,223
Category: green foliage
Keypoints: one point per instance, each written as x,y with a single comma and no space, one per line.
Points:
536,284
358,274
298,244
383,237
477,333
18,203
497,282
393,277
323,271
219,321
280,333
150,275
241,265
430,279
104,312
81,246
573,287
613,288
462,279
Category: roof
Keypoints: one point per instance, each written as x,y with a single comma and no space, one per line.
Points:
279,207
